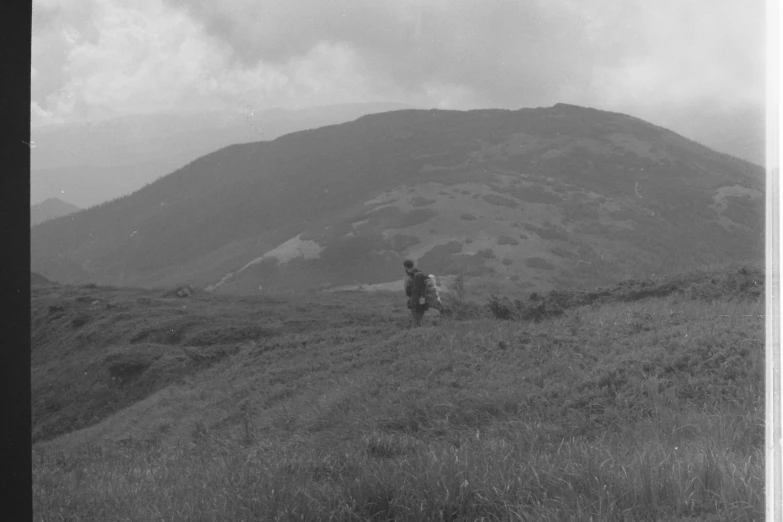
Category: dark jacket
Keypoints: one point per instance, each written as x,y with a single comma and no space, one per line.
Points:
409,281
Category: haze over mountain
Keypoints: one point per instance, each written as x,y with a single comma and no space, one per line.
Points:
93,162
50,209
555,196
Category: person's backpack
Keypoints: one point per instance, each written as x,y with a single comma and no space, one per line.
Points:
432,290
419,292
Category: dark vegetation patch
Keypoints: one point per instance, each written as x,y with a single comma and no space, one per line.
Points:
548,231
506,240
744,211
486,253
392,217
80,320
538,262
422,202
213,335
623,214
562,252
500,201
127,363
180,292
593,228
212,353
448,258
171,331
735,284
534,194
507,262
401,242
578,209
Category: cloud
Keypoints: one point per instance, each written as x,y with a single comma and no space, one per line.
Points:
503,51
688,54
515,52
666,61
146,57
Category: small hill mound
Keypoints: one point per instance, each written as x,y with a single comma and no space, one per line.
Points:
51,208
38,280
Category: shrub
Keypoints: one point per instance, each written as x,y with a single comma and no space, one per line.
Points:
502,308
80,320
537,262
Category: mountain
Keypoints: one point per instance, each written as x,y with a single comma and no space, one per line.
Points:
94,162
50,209
39,280
527,199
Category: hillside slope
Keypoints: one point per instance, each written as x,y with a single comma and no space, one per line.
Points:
96,350
50,209
538,197
95,162
642,404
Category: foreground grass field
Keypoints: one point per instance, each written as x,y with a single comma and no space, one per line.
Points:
327,408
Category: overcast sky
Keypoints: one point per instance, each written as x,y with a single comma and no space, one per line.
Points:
695,66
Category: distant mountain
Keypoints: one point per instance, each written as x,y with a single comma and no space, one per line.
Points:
39,280
532,199
50,209
95,162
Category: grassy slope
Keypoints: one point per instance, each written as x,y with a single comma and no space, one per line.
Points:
310,408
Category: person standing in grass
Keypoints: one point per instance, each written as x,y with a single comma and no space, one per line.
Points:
421,292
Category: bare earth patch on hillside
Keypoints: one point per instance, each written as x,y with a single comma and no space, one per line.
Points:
294,247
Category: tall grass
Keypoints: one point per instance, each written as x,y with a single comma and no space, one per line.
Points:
651,410
507,474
